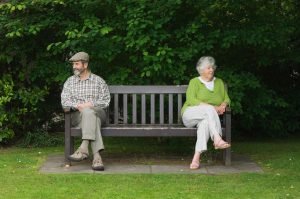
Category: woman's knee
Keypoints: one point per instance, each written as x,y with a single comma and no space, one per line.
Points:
207,107
202,124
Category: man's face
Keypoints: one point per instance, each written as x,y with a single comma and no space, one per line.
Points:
79,67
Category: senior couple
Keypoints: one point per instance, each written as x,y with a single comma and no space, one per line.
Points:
206,99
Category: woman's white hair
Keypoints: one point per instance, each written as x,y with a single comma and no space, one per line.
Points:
204,62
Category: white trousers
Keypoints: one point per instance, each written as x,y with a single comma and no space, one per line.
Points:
207,120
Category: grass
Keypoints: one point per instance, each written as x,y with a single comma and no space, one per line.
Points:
280,160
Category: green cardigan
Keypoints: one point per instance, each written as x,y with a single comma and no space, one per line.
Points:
197,93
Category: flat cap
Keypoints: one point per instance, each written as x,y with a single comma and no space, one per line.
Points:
80,56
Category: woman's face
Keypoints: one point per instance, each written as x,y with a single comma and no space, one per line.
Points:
208,72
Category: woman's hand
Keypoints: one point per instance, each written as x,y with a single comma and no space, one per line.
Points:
221,109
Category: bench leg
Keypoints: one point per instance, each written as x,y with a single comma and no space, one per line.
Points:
227,152
69,141
227,157
69,149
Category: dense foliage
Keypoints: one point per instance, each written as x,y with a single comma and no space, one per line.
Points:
256,45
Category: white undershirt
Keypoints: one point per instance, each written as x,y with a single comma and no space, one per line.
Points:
209,85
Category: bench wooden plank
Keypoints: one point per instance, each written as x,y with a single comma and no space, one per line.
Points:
69,147
147,89
152,109
134,109
143,113
107,116
227,152
170,108
116,108
179,105
141,131
144,132
161,108
125,108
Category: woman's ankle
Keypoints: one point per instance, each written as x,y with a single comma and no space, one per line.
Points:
196,157
217,138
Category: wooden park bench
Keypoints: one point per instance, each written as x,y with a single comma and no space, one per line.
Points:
157,116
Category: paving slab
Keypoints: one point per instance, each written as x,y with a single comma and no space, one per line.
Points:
176,169
219,169
240,164
119,169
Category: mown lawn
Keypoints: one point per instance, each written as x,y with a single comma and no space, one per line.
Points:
280,160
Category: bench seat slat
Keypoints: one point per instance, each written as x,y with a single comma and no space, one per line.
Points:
143,132
140,131
77,129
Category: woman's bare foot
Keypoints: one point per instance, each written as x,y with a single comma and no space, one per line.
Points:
194,165
196,161
221,144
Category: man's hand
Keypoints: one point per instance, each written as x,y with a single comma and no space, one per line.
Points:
80,107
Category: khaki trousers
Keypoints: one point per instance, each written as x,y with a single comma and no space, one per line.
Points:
207,120
90,121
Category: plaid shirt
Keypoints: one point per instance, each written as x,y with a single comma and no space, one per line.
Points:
94,90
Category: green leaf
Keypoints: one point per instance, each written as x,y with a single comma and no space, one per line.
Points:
49,47
148,73
20,7
105,30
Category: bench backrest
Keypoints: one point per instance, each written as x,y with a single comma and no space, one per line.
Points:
141,105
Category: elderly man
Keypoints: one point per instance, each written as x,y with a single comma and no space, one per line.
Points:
89,94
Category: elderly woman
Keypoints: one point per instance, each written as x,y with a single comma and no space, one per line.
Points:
206,99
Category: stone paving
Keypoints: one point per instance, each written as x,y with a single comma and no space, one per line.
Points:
175,165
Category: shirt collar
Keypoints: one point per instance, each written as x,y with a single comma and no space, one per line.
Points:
205,82
78,78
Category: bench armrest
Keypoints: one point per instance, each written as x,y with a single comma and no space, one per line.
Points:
228,110
69,110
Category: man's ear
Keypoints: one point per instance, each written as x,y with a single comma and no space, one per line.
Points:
85,64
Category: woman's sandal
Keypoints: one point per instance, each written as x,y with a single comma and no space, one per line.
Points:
194,165
224,145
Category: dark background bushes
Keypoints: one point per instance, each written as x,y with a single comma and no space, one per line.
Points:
255,43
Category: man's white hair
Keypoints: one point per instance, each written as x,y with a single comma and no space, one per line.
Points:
204,62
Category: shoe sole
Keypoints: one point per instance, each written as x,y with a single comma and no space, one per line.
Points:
98,168
223,147
76,160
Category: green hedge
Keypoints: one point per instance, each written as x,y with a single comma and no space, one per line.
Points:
255,43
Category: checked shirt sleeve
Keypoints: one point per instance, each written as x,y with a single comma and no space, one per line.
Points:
103,99
66,98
